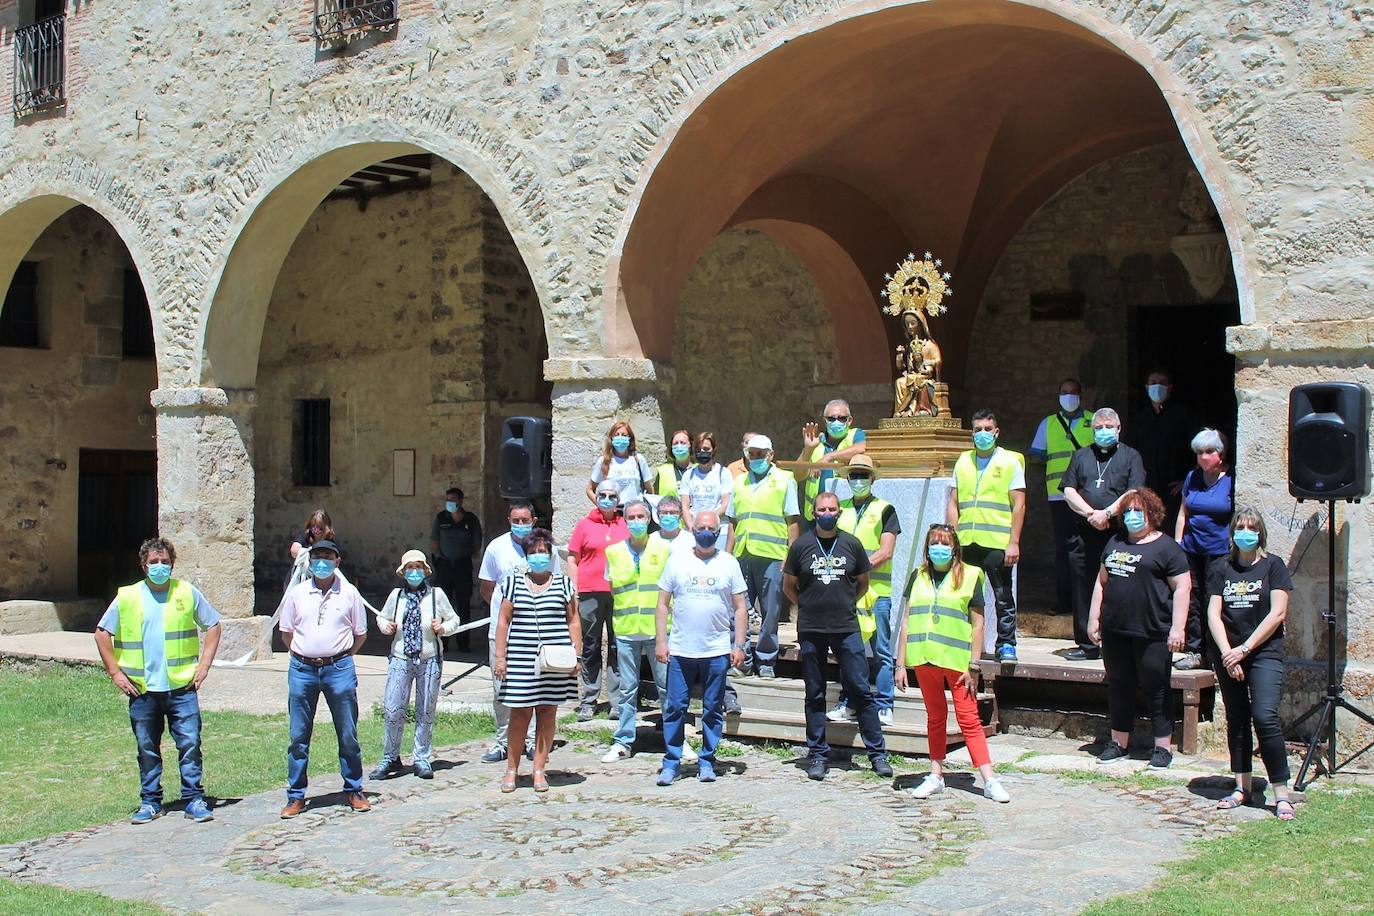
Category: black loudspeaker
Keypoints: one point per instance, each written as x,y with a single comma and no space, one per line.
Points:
526,457
1328,441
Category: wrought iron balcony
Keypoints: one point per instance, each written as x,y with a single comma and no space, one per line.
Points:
40,65
338,21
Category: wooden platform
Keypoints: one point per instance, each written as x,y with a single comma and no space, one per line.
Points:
1042,659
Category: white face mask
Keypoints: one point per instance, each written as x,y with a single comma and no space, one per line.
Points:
1069,403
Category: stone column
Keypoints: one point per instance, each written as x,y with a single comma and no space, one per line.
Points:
588,395
205,503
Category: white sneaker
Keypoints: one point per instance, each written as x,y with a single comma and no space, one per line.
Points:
993,789
842,713
688,755
885,717
617,752
929,786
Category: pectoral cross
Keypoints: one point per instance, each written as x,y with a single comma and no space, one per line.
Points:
1099,483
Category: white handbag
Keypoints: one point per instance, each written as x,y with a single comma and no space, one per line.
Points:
552,659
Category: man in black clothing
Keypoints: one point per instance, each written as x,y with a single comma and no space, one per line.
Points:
1163,434
456,536
825,572
1098,476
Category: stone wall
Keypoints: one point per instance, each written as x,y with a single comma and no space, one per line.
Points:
79,392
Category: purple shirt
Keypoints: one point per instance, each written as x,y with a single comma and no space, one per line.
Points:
323,623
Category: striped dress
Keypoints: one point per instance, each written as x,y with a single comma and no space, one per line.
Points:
521,686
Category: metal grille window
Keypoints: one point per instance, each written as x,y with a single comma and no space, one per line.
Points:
311,459
338,21
40,65
20,322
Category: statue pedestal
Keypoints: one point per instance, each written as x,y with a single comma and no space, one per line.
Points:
917,446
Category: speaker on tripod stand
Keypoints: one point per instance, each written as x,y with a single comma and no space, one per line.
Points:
1328,460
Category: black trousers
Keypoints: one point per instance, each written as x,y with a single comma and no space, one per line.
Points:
455,578
992,563
1068,544
1195,635
1252,706
1135,663
1085,566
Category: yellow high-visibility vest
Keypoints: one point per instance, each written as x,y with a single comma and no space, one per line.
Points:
760,514
939,626
985,498
180,636
634,592
665,480
868,528
1059,448
813,479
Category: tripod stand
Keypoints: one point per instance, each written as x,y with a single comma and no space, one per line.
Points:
1325,708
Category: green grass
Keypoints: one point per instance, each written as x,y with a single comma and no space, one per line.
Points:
1320,862
25,898
68,758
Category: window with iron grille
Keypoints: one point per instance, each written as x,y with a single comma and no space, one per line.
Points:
310,464
138,321
339,21
20,322
40,59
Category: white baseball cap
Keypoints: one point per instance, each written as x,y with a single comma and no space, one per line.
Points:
762,442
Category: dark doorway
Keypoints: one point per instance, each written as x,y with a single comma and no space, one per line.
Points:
1189,341
116,511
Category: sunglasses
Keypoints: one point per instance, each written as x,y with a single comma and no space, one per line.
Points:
839,418
941,526
860,476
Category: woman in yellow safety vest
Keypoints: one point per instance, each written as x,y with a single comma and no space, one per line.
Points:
942,620
668,474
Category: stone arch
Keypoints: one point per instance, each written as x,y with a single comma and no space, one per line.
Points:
1173,57
270,199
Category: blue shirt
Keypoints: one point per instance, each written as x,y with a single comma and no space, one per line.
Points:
1207,529
154,644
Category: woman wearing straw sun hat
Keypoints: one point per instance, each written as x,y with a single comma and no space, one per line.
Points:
419,615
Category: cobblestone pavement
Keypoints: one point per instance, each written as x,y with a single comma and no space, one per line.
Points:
762,840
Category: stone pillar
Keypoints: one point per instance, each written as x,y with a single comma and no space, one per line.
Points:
588,395
205,503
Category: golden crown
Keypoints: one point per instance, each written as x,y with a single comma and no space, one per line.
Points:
917,286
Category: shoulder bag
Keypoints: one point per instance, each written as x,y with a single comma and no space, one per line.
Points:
552,659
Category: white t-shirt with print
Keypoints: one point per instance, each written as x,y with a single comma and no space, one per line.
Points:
630,472
703,602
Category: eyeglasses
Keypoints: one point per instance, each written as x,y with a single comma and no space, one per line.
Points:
941,526
839,418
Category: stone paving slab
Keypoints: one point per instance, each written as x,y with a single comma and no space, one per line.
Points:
762,840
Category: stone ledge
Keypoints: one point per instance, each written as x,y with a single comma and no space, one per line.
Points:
23,616
613,368
1307,337
200,400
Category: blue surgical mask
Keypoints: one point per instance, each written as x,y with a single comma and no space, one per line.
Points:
620,443
670,522
827,522
520,532
322,568
638,527
984,440
704,537
1105,436
539,562
1069,403
837,428
450,506
680,451
414,577
940,554
1134,520
759,465
159,573
1158,393
1245,538
860,486
606,501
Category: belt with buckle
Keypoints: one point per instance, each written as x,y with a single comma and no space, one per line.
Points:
320,662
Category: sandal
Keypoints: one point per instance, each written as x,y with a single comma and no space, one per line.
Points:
1237,798
540,783
508,781
1281,813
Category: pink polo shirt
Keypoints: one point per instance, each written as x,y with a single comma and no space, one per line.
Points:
590,538
323,623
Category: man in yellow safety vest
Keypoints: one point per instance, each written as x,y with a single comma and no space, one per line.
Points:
149,640
840,441
1056,439
987,506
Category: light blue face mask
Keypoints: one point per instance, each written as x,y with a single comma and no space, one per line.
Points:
322,568
940,554
1105,436
638,527
607,502
759,465
860,486
1134,520
159,573
837,428
520,532
539,562
1245,538
620,443
669,522
984,440
680,451
1158,393
450,506
414,577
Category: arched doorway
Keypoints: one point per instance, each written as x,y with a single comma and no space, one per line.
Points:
78,352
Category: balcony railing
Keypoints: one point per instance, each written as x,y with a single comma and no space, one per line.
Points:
338,21
40,65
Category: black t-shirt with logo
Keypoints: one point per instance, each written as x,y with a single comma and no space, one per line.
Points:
1136,599
1244,595
826,572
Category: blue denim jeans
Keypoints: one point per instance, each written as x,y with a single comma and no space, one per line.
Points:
763,579
683,675
627,653
180,710
339,684
848,649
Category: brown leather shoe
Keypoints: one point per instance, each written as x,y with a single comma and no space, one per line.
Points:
359,803
293,807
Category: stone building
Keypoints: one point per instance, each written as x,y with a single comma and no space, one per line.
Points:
367,230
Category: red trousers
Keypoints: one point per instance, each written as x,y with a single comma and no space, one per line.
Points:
933,682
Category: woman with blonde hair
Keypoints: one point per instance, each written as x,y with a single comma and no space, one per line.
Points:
1249,602
942,622
621,463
